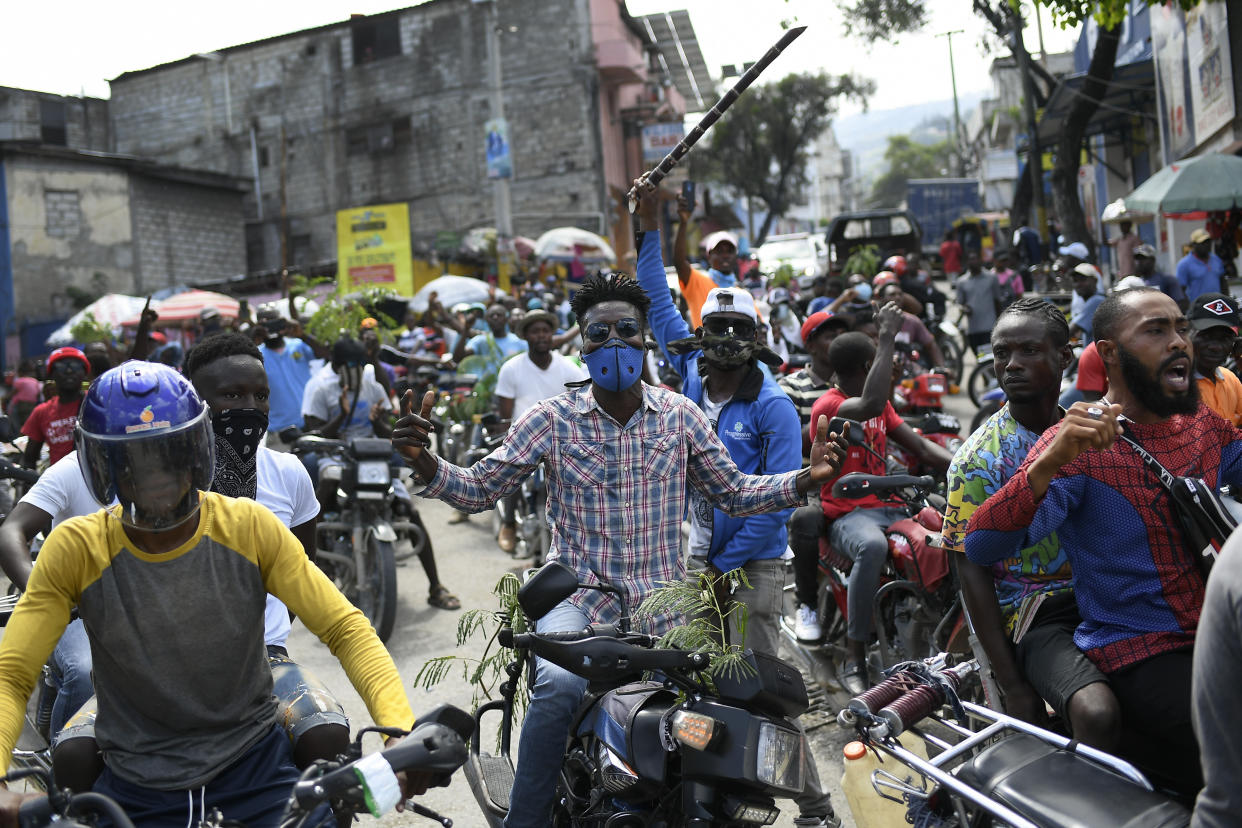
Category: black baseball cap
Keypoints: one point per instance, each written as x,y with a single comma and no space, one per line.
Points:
1210,310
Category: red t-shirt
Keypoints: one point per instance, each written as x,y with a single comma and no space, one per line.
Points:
875,431
52,423
1091,375
951,254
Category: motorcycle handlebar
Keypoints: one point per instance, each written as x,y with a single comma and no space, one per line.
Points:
12,471
38,812
605,658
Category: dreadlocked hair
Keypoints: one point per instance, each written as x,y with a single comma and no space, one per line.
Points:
219,346
1052,317
609,287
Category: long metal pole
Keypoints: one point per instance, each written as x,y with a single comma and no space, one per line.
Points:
1035,160
957,115
653,178
503,204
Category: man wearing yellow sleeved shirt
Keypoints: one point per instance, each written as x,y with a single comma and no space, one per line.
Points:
171,585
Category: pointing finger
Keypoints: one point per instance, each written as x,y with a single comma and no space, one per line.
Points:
429,400
821,430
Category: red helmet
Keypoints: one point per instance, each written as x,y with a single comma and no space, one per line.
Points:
897,264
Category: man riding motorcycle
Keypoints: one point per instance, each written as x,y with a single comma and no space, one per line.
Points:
182,677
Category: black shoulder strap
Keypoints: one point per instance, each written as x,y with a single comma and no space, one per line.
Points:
1166,477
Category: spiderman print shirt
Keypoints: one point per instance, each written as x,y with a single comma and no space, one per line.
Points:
1139,591
981,466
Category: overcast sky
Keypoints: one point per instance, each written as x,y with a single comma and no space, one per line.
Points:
73,46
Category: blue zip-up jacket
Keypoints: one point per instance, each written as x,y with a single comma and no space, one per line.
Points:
759,426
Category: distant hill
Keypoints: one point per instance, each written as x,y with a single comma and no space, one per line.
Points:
866,134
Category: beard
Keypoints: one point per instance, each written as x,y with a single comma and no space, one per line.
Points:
1149,391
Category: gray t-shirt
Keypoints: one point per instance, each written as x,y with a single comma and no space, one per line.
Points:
981,294
1216,703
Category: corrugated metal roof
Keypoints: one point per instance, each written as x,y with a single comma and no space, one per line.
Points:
674,36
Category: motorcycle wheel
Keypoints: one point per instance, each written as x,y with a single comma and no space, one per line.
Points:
981,379
377,586
953,358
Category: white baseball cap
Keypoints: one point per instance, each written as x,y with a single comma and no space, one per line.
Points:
730,300
1076,249
713,241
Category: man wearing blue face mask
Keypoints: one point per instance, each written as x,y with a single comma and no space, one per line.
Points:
620,457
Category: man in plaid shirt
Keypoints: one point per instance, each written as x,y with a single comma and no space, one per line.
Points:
620,454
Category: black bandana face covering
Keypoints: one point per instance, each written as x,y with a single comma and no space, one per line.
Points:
239,433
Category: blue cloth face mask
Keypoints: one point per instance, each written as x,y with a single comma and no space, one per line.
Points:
615,365
723,280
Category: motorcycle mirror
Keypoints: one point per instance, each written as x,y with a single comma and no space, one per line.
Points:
551,584
856,437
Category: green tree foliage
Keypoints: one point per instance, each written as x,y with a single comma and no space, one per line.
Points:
761,146
906,159
873,20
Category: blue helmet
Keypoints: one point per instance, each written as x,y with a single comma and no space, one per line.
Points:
144,438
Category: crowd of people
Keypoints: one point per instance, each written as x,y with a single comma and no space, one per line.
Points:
648,405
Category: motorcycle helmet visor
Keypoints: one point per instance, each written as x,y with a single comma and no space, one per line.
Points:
157,474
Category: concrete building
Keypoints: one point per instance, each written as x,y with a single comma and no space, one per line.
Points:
76,224
391,108
829,192
54,120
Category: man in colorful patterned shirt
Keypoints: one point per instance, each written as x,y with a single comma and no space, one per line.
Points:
1023,607
1138,587
621,456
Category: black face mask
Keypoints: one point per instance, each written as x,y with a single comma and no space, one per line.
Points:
239,433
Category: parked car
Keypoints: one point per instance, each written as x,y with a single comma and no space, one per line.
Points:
805,253
894,231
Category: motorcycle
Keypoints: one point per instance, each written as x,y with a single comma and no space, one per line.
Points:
1009,772
917,609
530,518
357,550
678,751
352,784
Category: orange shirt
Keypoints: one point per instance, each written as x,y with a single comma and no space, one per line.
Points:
1224,396
695,289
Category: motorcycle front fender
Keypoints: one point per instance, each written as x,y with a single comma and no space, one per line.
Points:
383,531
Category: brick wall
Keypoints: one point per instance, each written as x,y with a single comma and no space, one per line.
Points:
185,234
82,122
407,127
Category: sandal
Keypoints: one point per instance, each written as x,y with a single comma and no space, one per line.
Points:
442,598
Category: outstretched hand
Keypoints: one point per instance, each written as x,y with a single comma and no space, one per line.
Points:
412,435
828,451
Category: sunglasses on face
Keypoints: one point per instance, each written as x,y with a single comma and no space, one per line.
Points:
625,328
739,328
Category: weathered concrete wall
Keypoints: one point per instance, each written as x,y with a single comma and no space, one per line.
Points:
185,234
408,127
55,246
85,119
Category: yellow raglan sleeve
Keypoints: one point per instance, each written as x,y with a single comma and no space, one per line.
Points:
55,585
292,578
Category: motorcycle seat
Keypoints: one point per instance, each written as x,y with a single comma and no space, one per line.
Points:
1052,786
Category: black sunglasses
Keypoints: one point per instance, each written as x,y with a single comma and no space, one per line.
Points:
740,328
625,328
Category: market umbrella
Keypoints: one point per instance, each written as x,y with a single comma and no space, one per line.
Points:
111,309
1120,211
451,290
1204,182
568,243
188,306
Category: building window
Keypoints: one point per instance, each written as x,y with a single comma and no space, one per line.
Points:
377,139
63,212
375,40
300,250
264,157
52,123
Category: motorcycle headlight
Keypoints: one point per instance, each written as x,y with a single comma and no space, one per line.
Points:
780,757
615,774
373,472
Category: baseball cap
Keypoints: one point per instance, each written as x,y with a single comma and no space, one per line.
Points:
1146,251
730,300
1200,235
1076,249
1087,269
1128,283
209,313
68,352
817,320
713,241
158,336
368,323
1210,310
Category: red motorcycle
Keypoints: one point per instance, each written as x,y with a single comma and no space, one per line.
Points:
918,398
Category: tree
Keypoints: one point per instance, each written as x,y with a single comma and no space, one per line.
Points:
908,159
761,147
876,19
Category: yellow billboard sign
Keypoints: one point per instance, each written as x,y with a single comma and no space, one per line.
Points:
373,248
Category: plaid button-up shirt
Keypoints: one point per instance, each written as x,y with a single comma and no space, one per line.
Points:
616,494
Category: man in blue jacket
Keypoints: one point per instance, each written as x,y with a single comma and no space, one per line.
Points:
759,425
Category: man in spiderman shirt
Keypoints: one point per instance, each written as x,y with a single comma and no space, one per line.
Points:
1138,588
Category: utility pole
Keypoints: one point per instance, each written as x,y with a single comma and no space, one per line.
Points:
957,115
1035,158
503,206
